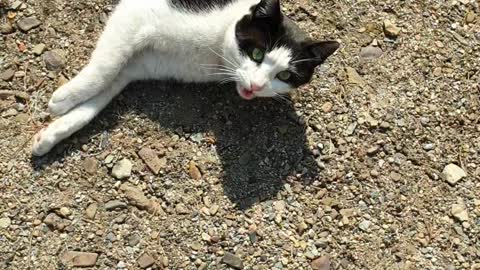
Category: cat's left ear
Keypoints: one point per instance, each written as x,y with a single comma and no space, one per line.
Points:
320,51
268,9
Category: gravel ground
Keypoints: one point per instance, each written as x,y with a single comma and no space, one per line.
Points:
374,165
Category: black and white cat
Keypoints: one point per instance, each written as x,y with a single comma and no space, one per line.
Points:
249,42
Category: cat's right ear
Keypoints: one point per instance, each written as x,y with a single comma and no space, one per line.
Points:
320,51
268,9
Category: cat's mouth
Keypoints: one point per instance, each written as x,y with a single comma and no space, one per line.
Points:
246,94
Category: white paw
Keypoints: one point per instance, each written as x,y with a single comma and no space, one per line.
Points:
62,101
42,144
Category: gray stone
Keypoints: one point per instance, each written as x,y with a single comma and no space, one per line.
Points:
54,60
370,52
27,24
5,222
114,205
364,225
6,28
459,211
453,173
7,75
123,169
39,49
134,240
232,260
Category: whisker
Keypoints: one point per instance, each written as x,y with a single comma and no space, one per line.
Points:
305,60
224,58
214,74
226,69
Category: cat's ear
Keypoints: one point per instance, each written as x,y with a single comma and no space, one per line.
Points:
268,9
321,50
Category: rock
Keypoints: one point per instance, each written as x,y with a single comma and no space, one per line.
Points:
327,107
322,263
390,29
136,197
16,5
79,259
214,209
370,52
90,165
6,28
351,129
54,60
52,220
459,211
470,17
453,173
151,159
20,74
7,75
145,261
395,176
353,77
123,169
232,261
134,239
194,171
181,209
9,112
196,246
373,149
65,212
38,50
27,24
114,205
364,225
109,159
428,146
5,222
91,211
121,265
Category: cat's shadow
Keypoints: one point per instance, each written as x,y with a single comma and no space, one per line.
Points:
260,143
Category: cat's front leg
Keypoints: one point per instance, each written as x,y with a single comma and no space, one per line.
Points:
117,44
75,119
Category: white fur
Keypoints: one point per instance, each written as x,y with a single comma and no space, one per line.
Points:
147,39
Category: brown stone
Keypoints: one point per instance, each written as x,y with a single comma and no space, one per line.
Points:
322,263
136,197
79,259
145,261
90,165
194,171
91,210
150,158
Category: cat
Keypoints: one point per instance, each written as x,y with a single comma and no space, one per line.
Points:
248,42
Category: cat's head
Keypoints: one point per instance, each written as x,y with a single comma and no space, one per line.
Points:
271,55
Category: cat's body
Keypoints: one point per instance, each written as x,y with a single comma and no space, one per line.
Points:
246,41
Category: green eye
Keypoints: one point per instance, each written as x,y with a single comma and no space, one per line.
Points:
257,54
284,75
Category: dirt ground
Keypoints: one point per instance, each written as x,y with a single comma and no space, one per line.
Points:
374,165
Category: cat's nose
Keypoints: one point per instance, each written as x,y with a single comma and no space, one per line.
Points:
255,88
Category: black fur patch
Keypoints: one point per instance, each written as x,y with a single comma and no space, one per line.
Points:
266,28
199,5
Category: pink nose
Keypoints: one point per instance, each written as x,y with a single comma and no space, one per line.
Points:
255,88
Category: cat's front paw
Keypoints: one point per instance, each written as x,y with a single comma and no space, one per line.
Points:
62,101
42,144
